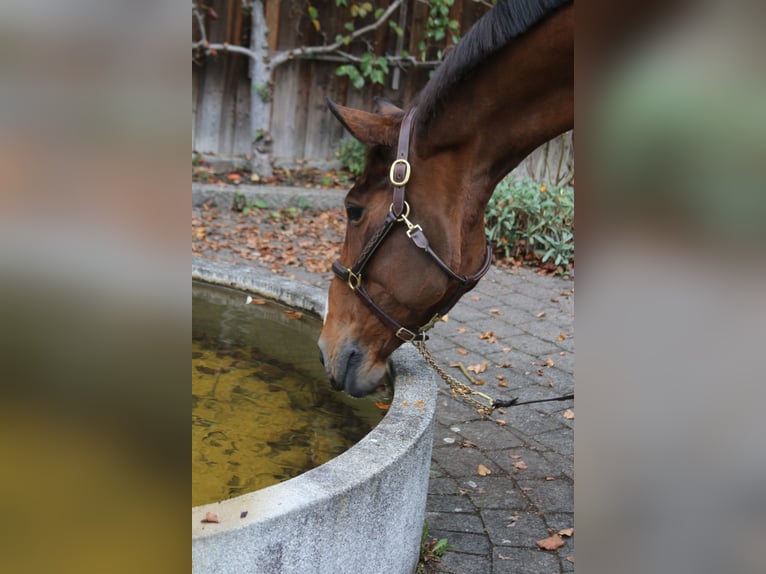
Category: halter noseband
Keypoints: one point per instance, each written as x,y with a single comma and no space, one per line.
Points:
399,212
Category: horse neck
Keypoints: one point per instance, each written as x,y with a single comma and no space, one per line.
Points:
518,99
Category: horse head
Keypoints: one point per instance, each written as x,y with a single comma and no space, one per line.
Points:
401,262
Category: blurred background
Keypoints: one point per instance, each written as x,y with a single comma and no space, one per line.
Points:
95,294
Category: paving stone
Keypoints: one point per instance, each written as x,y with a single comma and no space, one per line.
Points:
462,463
463,541
560,441
549,496
537,466
454,522
448,503
497,492
459,563
445,485
488,435
519,529
507,560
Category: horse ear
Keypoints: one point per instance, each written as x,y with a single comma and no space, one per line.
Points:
386,107
370,129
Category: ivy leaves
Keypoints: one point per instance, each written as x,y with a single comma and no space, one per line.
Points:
371,67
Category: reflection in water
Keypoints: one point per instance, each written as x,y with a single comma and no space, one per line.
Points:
262,409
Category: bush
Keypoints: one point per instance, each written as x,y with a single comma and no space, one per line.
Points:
352,155
528,220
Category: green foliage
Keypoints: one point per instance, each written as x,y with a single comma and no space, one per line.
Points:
352,155
430,550
525,219
440,31
438,26
375,69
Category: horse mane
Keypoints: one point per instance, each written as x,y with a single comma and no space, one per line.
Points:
506,20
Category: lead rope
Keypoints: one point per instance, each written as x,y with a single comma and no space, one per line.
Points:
466,393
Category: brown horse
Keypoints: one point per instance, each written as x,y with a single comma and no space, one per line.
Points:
415,239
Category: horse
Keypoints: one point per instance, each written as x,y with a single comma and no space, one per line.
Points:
414,241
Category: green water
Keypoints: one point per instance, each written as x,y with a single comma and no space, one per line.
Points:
262,408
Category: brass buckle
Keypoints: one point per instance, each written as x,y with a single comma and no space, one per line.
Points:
403,216
407,171
405,330
354,280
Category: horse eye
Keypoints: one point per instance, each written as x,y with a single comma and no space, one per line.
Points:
354,212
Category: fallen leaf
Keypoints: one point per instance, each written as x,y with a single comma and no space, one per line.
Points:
506,349
502,384
496,311
482,470
570,559
293,314
569,414
444,318
462,352
521,465
551,543
461,329
549,362
211,517
235,177
486,335
503,557
251,301
478,368
549,478
501,422
468,444
382,406
515,456
566,532
541,314
561,336
475,298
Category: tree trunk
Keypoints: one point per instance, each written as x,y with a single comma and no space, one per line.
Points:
260,96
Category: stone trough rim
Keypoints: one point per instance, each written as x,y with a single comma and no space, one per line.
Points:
412,408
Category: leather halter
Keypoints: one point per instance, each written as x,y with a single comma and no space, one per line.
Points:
399,212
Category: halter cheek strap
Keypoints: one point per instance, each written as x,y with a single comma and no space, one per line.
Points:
399,175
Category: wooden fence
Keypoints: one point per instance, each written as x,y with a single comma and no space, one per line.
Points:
302,128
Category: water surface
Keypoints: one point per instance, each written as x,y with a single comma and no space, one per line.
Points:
262,408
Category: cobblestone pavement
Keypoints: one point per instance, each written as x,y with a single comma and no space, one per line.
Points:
519,325
493,520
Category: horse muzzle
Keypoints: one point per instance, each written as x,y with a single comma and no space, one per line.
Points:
350,369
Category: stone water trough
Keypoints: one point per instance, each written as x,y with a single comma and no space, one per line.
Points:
360,513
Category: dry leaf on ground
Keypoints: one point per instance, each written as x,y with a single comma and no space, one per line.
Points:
211,517
551,543
478,368
569,414
482,470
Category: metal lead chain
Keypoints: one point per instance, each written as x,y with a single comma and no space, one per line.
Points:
466,393
484,406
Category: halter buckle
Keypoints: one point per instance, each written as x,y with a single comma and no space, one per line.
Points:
405,334
407,171
354,281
